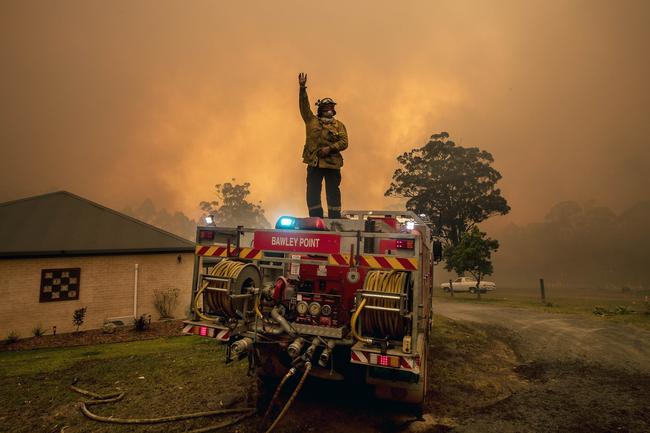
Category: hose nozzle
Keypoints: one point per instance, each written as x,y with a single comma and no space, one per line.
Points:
324,358
242,346
309,353
295,348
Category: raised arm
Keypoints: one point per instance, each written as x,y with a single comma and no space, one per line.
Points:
303,99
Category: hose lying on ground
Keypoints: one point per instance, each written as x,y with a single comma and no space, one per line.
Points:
291,399
110,398
286,377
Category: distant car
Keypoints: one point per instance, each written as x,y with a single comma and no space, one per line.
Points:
468,284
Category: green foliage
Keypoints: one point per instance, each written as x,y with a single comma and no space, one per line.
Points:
78,317
231,208
12,337
38,330
472,254
142,323
455,187
165,302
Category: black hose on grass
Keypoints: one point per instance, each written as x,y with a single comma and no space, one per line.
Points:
111,398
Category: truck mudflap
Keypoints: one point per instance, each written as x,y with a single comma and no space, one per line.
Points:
389,360
204,330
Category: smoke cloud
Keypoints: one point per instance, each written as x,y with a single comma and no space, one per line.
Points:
119,101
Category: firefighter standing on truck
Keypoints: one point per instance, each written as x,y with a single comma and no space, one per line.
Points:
326,138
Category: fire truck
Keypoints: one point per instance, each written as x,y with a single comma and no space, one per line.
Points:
333,298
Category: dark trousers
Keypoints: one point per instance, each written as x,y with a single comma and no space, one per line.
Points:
332,177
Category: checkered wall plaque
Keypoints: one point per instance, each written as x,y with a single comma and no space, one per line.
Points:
59,284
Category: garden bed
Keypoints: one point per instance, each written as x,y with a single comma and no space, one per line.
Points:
166,328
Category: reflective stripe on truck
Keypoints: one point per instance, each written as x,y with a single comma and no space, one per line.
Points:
205,331
397,362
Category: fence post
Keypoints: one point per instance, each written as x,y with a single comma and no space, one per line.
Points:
451,288
541,289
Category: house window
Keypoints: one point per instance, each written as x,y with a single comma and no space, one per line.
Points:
59,284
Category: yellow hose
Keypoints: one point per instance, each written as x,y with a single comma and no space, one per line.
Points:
381,323
227,269
276,394
353,324
257,307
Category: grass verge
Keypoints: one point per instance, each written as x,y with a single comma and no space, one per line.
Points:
166,376
565,301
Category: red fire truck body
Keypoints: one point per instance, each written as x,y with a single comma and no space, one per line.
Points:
351,296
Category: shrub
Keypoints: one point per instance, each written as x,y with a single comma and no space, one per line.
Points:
78,317
601,311
623,309
142,323
12,337
165,302
38,330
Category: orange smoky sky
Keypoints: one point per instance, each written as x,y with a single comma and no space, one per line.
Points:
118,101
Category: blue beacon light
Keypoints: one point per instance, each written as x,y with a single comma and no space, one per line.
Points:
286,223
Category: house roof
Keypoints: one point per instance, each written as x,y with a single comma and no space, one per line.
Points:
62,223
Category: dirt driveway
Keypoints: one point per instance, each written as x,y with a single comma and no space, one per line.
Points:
561,337
500,369
571,373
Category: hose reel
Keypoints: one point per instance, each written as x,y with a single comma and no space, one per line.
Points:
225,289
384,298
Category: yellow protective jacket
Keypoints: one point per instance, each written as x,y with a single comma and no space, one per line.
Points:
320,134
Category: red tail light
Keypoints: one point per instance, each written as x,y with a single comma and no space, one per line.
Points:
310,223
203,331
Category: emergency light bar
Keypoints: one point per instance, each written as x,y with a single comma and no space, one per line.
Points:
291,223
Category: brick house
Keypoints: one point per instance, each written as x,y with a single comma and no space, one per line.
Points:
60,252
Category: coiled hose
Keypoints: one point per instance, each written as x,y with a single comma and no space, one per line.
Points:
377,322
241,274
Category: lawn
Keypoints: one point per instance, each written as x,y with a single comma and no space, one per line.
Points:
566,300
165,376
